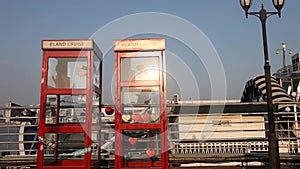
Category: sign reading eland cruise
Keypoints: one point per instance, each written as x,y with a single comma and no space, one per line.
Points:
139,44
67,44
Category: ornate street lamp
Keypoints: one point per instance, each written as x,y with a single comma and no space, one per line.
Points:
274,160
284,49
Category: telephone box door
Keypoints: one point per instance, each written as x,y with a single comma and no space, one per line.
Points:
140,104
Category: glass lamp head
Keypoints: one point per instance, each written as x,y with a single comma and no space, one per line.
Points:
278,4
246,5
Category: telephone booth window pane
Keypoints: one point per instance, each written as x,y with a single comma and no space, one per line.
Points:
70,143
96,118
147,100
67,73
49,147
142,145
96,108
145,68
72,109
97,71
63,146
51,103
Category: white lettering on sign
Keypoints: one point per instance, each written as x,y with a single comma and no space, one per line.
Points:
67,44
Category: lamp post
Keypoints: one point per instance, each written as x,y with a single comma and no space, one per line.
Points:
284,49
274,160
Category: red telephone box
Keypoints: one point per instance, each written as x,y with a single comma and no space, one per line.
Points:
140,104
69,127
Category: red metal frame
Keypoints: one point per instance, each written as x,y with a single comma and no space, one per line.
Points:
161,83
69,52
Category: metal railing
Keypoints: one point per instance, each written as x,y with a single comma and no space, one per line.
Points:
191,134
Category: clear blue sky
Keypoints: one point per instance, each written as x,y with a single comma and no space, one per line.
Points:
237,40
